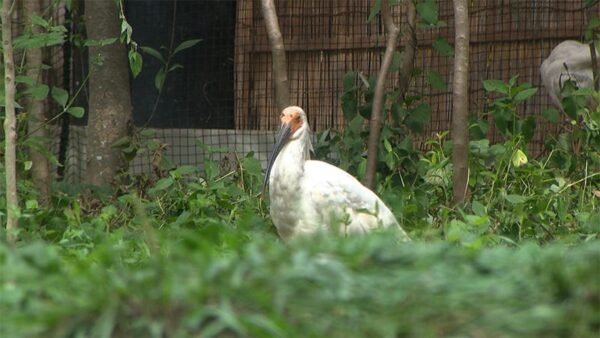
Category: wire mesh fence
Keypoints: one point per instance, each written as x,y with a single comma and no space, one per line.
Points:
223,97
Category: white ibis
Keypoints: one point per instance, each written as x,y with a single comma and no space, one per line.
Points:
310,196
569,60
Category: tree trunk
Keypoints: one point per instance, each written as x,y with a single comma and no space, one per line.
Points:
595,67
460,99
408,55
36,122
279,75
10,124
109,95
375,125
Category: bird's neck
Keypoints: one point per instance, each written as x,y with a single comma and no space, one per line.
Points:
289,165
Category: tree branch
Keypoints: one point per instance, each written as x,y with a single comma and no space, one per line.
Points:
375,124
36,122
279,75
10,124
460,99
408,55
595,66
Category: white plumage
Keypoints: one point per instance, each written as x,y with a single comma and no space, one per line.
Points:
309,196
569,60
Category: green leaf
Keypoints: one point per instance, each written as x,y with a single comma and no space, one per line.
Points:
525,94
418,118
38,20
495,86
24,79
428,12
27,165
374,10
435,80
162,184
101,42
396,62
135,62
31,204
76,112
442,46
39,92
551,115
60,95
515,199
122,142
175,66
478,208
126,31
185,45
159,79
153,52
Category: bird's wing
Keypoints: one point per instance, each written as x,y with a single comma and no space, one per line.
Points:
334,190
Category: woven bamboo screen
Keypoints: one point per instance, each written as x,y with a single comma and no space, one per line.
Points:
324,39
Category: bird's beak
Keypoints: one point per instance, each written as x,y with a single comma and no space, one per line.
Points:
281,139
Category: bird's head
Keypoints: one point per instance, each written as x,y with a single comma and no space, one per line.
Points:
293,126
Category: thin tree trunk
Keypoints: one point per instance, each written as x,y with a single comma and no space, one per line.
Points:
460,99
595,66
408,55
279,75
109,100
36,123
10,124
375,125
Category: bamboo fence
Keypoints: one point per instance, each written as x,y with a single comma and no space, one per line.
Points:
325,39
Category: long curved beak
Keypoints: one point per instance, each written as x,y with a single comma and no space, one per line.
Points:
280,140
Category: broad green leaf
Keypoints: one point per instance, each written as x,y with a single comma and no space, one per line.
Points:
27,165
374,10
525,94
24,79
38,20
185,45
31,204
175,66
551,115
76,112
39,40
184,170
515,199
135,62
349,81
396,62
122,142
162,184
60,95
38,92
442,46
154,53
101,42
495,86
435,80
126,31
418,118
528,127
159,79
478,208
428,12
